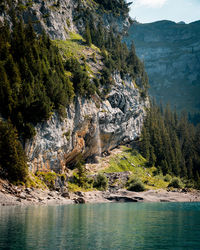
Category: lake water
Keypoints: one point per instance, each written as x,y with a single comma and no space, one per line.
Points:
101,226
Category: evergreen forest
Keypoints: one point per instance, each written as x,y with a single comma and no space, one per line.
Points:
117,7
171,143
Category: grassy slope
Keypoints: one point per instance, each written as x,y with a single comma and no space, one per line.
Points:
131,160
76,47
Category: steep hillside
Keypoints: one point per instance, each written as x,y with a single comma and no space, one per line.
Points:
81,93
171,54
60,17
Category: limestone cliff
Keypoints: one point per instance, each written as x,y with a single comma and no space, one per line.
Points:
171,54
91,127
60,17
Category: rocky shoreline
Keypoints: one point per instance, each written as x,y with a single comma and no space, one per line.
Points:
11,195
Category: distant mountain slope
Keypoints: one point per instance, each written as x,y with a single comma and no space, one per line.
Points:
171,54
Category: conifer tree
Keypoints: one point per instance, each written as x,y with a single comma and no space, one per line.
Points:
145,146
88,35
173,141
152,157
6,100
12,157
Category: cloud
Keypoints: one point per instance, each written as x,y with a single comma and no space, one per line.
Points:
150,3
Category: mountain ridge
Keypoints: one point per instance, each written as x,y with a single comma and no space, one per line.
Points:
171,54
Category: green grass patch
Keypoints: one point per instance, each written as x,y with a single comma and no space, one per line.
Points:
73,187
74,46
76,36
131,160
70,48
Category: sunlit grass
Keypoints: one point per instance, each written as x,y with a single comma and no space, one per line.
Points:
75,46
132,160
70,48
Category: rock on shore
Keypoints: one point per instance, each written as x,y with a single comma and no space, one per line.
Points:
12,195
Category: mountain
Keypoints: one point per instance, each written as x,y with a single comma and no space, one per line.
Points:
71,91
81,92
171,55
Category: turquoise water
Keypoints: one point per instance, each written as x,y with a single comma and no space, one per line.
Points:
101,226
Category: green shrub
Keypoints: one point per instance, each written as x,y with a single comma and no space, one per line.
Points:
167,178
67,134
90,182
175,183
13,164
68,22
197,185
156,171
94,57
189,184
101,182
48,178
136,185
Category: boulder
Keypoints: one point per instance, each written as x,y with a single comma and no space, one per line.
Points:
79,200
65,195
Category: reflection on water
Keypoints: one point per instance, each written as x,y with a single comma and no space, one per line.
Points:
102,226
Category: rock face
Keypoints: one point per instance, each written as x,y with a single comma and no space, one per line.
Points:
91,127
55,17
60,17
171,54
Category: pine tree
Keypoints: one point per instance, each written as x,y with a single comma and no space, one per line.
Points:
82,178
145,144
178,155
88,35
164,167
12,157
152,157
190,169
13,75
6,100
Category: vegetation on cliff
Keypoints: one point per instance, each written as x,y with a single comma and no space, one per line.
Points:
37,79
117,7
141,173
33,81
117,57
33,84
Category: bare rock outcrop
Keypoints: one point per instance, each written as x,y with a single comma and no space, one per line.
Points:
91,127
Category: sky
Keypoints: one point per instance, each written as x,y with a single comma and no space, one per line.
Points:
146,11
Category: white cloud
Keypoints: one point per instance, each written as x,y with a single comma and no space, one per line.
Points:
150,3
